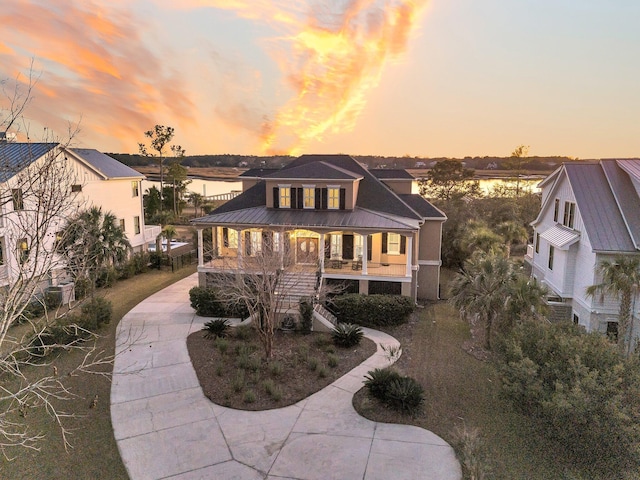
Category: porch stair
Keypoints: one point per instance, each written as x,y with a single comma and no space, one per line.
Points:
296,285
326,314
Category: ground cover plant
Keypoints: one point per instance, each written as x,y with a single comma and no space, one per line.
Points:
465,406
233,371
94,453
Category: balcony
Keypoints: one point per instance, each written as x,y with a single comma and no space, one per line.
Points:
529,255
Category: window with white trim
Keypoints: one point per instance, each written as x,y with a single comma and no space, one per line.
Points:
569,214
333,198
256,242
276,241
284,199
232,236
393,244
135,188
357,246
309,195
336,246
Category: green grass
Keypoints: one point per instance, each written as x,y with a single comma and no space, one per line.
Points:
94,453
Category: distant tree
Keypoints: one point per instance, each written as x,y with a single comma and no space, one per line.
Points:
516,161
152,201
160,136
178,175
448,180
169,232
621,279
195,199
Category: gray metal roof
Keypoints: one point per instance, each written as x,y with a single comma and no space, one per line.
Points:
108,166
258,172
560,236
626,197
357,219
16,156
600,214
632,167
422,206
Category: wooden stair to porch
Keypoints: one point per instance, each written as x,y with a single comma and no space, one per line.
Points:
295,285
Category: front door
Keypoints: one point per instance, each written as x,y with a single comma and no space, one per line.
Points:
306,250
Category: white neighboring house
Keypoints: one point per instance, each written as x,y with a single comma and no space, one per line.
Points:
590,212
96,180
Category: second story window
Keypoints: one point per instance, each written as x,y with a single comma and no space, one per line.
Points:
76,188
556,210
135,188
569,214
136,225
285,197
333,198
309,195
16,197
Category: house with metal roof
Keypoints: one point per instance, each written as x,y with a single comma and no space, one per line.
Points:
343,223
590,212
92,178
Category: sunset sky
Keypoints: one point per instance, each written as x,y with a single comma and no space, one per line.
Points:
364,77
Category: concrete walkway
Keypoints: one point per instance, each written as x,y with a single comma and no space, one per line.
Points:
166,428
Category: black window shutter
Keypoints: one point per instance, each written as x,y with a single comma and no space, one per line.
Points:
403,244
343,199
324,199
384,242
347,247
300,198
225,236
247,243
318,197
294,197
276,197
369,247
327,246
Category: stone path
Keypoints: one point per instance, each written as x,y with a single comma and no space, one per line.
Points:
166,428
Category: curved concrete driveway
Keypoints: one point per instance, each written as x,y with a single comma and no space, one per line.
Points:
166,428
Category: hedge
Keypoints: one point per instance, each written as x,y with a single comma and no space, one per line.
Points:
373,310
207,303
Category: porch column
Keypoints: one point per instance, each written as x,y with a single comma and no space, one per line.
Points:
281,248
409,254
200,248
365,249
321,252
214,242
240,250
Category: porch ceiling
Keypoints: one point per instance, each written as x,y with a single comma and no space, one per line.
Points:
357,218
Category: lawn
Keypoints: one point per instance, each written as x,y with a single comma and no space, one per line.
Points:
461,391
94,454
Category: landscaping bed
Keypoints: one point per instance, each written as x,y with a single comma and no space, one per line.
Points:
234,373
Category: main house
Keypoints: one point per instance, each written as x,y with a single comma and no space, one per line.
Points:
92,179
590,213
342,222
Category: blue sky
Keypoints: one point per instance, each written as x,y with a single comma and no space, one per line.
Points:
379,77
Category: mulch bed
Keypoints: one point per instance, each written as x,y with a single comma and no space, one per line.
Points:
242,378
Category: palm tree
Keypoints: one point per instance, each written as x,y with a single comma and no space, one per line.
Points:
92,240
478,236
169,232
620,278
526,299
481,290
512,233
196,200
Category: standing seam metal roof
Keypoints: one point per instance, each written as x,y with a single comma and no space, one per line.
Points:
108,166
14,157
600,214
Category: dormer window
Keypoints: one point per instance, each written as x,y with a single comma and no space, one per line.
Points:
333,198
284,197
309,195
569,214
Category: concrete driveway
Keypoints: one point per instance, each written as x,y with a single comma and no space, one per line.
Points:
166,428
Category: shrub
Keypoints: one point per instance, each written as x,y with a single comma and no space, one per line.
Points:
377,382
82,286
207,303
373,310
332,361
347,335
107,277
222,344
33,310
322,372
249,396
238,381
576,386
275,368
313,363
53,299
405,394
306,315
96,312
242,332
216,328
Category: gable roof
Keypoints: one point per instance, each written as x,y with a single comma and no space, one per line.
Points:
106,166
258,172
603,220
17,156
372,193
422,206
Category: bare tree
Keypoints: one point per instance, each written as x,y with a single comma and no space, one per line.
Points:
269,282
160,137
36,198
